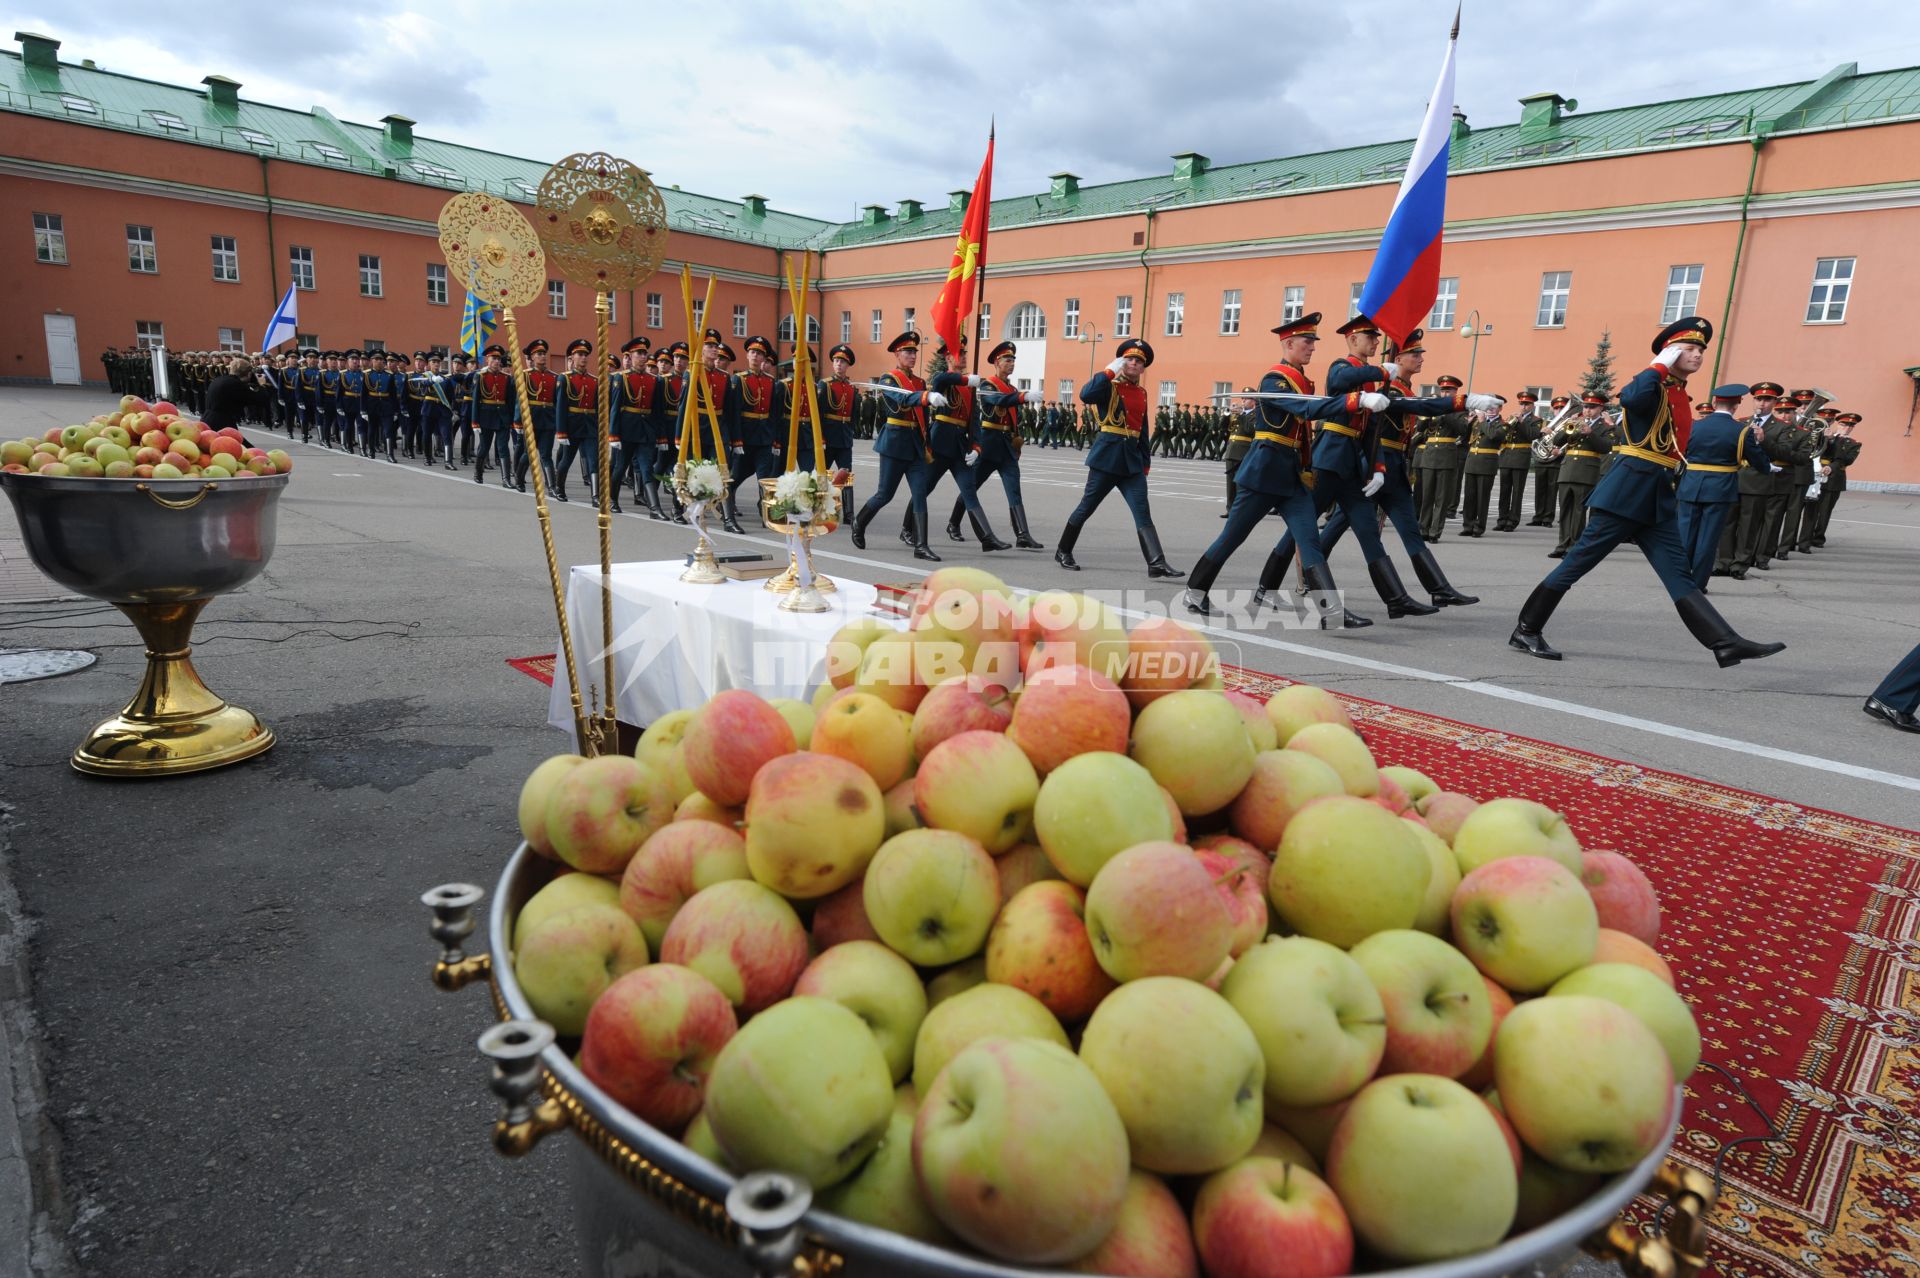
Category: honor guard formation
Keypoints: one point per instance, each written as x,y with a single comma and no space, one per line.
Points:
1730,484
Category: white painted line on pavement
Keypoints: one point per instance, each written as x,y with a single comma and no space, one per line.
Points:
1652,727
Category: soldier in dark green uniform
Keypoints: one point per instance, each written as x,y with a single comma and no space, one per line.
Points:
1237,424
1439,463
1584,444
1547,476
1842,451
1740,543
1803,506
1483,463
1516,455
1790,447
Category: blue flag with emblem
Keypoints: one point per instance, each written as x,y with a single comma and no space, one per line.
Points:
477,323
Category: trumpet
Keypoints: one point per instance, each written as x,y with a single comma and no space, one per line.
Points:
1544,449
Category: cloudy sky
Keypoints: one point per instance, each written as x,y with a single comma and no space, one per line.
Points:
824,107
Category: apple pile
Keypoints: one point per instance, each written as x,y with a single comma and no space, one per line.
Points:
142,441
1025,937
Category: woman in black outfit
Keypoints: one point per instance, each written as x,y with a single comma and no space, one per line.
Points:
228,396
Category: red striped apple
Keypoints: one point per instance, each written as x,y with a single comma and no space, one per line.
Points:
742,937
729,739
1069,710
678,860
651,1040
1525,921
1282,782
1439,1018
813,823
1039,944
1153,910
1264,1218
960,705
1150,1240
1622,895
602,810
1618,947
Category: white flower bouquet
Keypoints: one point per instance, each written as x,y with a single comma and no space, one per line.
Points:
704,482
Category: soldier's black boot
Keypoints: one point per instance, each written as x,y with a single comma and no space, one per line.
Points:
1272,573
1529,633
730,516
479,472
860,522
1022,535
906,527
1198,584
1386,582
654,508
1157,565
921,550
953,521
1435,582
1326,600
988,541
519,473
1706,624
1064,555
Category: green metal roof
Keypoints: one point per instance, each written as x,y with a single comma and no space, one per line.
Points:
111,100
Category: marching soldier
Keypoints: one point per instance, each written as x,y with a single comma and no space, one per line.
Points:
1795,444
1842,451
576,422
287,373
1803,510
1585,443
950,441
839,403
1439,463
1635,502
1898,696
493,397
352,401
543,393
1740,546
1709,488
636,404
309,392
1486,434
388,408
1548,474
1277,476
997,423
1393,429
1240,419
1516,455
1119,456
460,394
902,444
329,397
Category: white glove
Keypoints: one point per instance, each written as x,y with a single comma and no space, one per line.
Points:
1485,403
972,458
1774,469
1391,369
974,379
1034,397
1669,354
1373,484
936,399
1374,401
1115,366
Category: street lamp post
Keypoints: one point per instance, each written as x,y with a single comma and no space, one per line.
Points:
1091,338
1473,328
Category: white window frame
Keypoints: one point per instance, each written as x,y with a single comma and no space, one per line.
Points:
1293,303
699,317
613,308
1221,390
739,319
986,323
50,239
1446,304
1175,316
372,281
148,334
301,341
143,254
1169,394
300,267
908,322
1229,312
1353,298
1542,395
656,310
1027,323
846,327
226,258
232,339
1683,291
1067,390
436,283
877,332
1827,299
556,299
1070,318
813,328
1123,315
1556,293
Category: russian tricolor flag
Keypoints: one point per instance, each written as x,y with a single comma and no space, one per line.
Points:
1405,276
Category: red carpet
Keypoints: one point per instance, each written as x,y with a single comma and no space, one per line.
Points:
1796,937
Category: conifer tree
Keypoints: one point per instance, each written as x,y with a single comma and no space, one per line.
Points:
1599,376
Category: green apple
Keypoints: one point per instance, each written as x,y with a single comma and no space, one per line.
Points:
884,1191
1584,1082
981,1011
1316,1016
1154,910
660,745
1445,812
813,823
1094,805
1020,1152
1647,997
957,979
744,938
1439,1018
1195,745
1345,869
1301,704
848,646
1436,910
602,810
865,731
802,1088
799,716
1416,784
980,784
879,987
1526,921
1423,1169
932,895
570,959
1282,782
678,860
1253,713
1342,750
699,1138
1183,1070
1547,1192
1267,1216
1502,828
567,892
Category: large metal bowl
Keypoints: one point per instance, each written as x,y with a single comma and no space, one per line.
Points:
648,1205
147,540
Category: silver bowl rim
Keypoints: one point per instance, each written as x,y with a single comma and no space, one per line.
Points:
127,484
1565,1231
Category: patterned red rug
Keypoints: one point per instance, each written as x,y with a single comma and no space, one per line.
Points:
1796,936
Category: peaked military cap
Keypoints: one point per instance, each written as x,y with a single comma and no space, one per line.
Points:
1358,324
1004,348
501,351
1732,390
761,344
710,338
908,340
580,345
1595,397
842,351
538,346
1306,325
1766,390
1447,381
1137,348
636,344
1414,340
1527,397
1692,330
1849,419
726,353
679,348
1558,401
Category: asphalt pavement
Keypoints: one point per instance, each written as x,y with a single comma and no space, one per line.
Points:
226,1057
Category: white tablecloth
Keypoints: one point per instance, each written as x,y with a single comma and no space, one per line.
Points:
676,644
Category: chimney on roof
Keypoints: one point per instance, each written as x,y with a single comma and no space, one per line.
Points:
222,92
872,214
399,132
1460,126
1539,113
909,210
756,205
1065,185
1189,165
40,53
957,201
